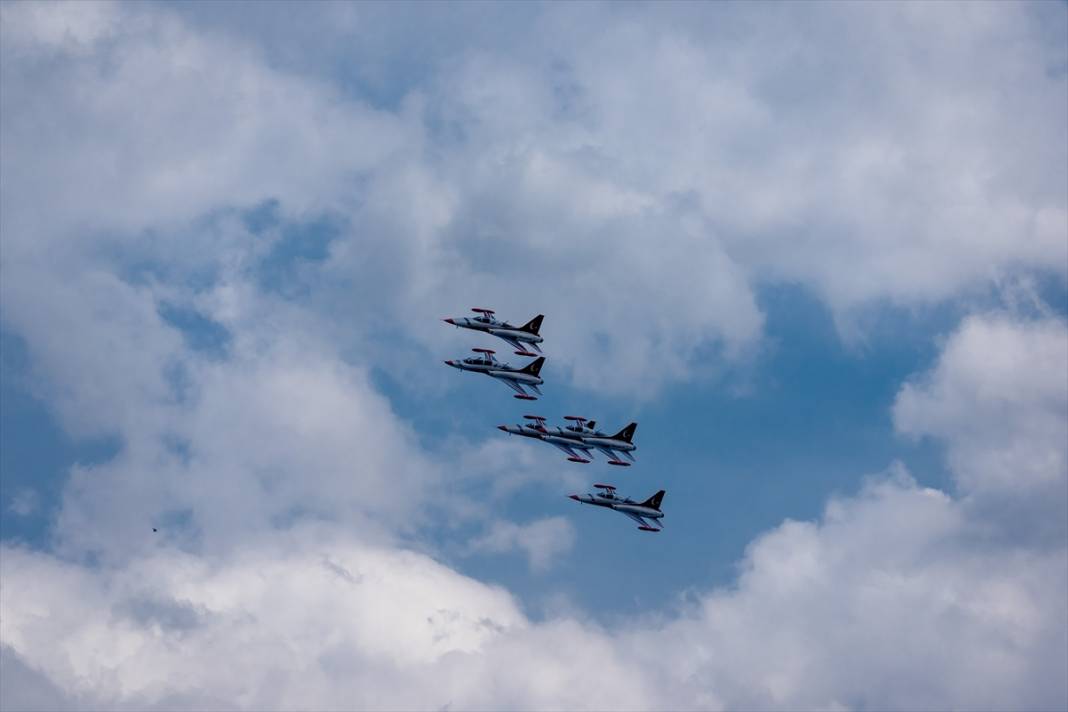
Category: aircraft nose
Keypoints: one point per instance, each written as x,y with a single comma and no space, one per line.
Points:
450,363
449,321
574,497
503,427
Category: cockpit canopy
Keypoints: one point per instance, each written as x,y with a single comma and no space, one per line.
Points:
483,360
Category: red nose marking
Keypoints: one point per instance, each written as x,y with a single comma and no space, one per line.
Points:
574,497
449,321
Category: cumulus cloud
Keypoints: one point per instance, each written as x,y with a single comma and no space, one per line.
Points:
541,540
262,441
886,602
891,601
640,174
998,398
895,598
375,628
651,149
222,129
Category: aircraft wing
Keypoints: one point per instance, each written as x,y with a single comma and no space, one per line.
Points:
512,342
514,385
568,450
608,452
642,523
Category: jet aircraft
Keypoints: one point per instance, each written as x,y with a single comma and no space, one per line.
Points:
640,512
514,378
516,336
581,435
565,439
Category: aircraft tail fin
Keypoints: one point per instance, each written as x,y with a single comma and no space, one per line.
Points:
533,325
626,433
534,367
654,501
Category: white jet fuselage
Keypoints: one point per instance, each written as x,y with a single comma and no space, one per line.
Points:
620,505
516,375
496,328
497,370
610,443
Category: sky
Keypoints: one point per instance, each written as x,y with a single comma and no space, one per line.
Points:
817,251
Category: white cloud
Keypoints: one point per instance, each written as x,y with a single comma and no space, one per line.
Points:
541,540
307,621
648,177
998,398
839,158
24,502
637,184
263,440
27,689
54,26
890,602
897,598
221,129
640,176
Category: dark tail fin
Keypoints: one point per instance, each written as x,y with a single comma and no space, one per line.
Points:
534,367
654,501
533,325
626,433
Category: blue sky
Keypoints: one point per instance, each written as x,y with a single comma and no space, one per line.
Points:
825,271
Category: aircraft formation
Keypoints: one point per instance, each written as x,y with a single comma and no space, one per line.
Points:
578,439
